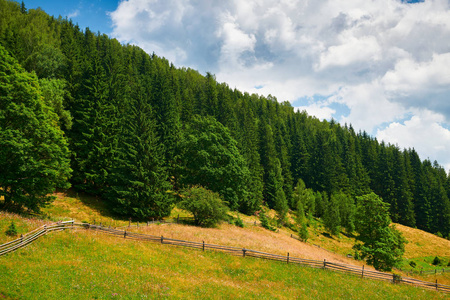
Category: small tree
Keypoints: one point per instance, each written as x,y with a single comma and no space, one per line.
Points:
206,206
264,220
12,229
281,207
381,245
301,222
332,219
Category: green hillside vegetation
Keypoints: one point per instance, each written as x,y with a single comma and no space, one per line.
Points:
131,132
88,265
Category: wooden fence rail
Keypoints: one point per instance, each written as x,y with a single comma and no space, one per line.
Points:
30,237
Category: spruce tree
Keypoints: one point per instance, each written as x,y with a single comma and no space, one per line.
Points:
332,218
139,182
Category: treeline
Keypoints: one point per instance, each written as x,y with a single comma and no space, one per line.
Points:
139,130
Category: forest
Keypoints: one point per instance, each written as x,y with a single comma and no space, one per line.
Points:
80,109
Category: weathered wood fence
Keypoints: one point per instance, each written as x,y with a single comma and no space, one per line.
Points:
30,237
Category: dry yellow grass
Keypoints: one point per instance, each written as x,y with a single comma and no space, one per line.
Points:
81,208
250,237
421,243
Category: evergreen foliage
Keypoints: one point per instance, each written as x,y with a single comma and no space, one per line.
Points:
301,222
12,229
192,131
264,220
332,217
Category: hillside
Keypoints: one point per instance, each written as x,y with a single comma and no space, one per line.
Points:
421,246
78,265
81,257
127,135
127,126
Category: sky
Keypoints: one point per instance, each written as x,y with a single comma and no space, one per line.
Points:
382,66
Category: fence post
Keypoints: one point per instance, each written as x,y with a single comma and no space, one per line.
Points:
243,251
21,238
203,245
436,285
45,228
288,258
362,273
125,234
162,240
147,222
324,263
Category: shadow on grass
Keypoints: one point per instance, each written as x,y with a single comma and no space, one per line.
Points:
327,235
95,203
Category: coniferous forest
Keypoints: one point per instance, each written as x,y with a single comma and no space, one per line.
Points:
79,109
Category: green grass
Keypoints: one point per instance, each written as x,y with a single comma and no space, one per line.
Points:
89,265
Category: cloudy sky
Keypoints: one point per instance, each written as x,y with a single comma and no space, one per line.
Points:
382,66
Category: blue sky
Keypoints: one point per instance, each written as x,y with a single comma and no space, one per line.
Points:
87,13
382,66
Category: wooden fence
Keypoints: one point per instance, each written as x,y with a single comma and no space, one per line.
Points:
30,237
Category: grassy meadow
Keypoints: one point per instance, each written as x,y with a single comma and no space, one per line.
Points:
83,264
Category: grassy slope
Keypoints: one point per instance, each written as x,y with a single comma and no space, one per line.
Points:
129,269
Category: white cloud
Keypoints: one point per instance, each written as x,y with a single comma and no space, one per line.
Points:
352,50
74,14
368,115
319,111
382,59
409,76
423,132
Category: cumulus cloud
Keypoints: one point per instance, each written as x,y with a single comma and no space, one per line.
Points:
383,60
424,132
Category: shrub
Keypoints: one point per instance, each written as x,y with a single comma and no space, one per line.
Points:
303,232
396,278
265,221
238,222
436,261
206,206
12,229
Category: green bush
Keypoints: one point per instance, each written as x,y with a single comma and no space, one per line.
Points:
436,261
206,206
12,229
265,221
396,278
303,232
412,264
238,222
